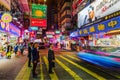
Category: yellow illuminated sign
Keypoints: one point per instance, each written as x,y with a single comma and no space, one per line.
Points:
92,29
85,31
80,31
101,27
6,17
112,23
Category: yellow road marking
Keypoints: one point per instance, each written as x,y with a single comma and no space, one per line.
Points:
117,76
84,69
41,69
52,76
72,73
24,73
73,58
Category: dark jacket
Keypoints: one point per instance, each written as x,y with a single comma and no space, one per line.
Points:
51,55
35,54
29,52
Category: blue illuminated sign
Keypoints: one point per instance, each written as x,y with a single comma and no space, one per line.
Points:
104,26
10,28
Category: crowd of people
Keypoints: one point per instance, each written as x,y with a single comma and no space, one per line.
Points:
33,55
10,49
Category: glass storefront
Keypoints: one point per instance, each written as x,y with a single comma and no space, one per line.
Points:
105,42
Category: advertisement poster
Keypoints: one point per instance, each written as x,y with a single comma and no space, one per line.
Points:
39,11
97,10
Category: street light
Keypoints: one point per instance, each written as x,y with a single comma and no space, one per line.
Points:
44,1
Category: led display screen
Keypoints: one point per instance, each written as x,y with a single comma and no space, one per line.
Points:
39,11
97,10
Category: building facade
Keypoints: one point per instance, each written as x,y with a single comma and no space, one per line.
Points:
64,15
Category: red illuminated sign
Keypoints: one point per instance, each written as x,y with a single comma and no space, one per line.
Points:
50,33
38,22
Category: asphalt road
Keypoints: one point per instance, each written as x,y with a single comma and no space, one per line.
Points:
67,67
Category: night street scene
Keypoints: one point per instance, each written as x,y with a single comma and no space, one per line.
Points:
59,40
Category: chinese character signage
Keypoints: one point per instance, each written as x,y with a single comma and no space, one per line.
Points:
39,11
39,22
104,26
10,28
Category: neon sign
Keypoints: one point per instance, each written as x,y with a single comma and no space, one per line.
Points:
38,22
6,17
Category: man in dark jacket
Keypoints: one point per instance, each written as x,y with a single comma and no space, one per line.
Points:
51,58
30,46
35,58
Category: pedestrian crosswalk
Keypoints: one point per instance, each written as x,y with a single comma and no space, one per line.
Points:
25,72
52,76
84,69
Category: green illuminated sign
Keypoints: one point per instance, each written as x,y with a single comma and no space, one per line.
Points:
57,32
39,11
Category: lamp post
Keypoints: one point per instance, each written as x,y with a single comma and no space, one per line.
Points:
44,1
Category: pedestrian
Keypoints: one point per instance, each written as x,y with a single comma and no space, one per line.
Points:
21,48
30,47
9,51
16,49
51,58
35,59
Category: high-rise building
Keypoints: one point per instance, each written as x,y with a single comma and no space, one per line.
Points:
64,15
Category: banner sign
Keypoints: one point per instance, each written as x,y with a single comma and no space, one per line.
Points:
104,26
14,30
97,10
39,11
39,22
10,28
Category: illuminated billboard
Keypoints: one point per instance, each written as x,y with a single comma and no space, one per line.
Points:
39,11
57,32
97,10
39,22
49,36
33,28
